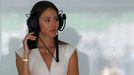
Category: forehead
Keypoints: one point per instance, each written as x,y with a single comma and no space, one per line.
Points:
49,12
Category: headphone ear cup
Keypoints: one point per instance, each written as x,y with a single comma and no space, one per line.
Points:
32,23
62,20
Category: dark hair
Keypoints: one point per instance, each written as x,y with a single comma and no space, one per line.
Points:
41,6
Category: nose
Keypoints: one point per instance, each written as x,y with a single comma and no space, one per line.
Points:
54,23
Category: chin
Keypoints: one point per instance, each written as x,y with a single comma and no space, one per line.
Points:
52,35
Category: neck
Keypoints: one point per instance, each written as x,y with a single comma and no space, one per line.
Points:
49,42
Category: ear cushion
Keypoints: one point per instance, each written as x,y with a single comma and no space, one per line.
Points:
32,22
62,21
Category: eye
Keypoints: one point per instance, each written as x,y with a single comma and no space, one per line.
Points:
56,19
47,20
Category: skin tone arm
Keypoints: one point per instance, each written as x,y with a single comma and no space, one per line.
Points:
73,65
22,66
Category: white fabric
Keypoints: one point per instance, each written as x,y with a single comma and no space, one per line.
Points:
37,65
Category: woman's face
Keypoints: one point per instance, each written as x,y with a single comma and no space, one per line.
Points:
49,23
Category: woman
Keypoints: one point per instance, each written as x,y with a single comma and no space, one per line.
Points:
49,56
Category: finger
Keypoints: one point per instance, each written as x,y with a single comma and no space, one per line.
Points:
31,33
29,36
32,38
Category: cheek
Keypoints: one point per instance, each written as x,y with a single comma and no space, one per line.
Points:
42,27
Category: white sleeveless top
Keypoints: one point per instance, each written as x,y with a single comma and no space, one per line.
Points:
37,66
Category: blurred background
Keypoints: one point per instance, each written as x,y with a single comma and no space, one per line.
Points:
102,30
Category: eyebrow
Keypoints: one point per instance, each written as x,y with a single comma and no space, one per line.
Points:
49,17
46,17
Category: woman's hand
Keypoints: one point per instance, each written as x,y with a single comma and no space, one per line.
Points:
29,36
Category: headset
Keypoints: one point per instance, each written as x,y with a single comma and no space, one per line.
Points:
32,23
33,26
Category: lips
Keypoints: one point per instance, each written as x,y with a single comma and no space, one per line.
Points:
52,30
